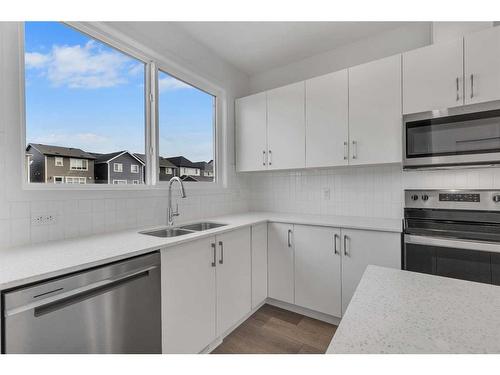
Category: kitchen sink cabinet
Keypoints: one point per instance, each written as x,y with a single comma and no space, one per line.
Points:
234,280
188,296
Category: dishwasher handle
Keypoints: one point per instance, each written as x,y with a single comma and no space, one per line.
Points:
72,297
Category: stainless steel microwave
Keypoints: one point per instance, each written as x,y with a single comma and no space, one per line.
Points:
461,136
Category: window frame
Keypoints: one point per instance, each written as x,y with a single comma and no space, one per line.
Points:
117,181
153,62
58,183
58,158
117,167
136,167
71,168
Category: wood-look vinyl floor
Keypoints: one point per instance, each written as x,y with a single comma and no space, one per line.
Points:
271,330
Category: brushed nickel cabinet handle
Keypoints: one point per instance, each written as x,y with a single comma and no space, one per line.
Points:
346,150
289,238
270,153
214,255
221,260
354,149
472,86
335,238
458,90
264,157
345,245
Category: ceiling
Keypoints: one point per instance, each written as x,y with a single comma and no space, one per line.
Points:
255,47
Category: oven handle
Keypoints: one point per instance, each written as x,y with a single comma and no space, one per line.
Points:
453,243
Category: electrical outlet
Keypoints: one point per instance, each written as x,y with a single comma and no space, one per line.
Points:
326,194
43,219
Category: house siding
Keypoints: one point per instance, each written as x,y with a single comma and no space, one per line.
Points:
65,171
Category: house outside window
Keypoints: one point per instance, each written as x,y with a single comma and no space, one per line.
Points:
117,167
134,168
119,182
136,182
76,180
58,180
59,162
78,164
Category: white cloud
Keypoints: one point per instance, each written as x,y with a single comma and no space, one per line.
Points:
84,141
35,60
170,84
79,66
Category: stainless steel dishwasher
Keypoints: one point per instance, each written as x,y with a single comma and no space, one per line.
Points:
110,309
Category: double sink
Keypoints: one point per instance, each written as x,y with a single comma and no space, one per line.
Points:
183,230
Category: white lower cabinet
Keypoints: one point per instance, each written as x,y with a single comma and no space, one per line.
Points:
206,289
317,268
188,297
280,262
234,280
259,264
361,248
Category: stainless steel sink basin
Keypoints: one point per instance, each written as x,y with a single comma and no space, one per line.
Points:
167,232
202,226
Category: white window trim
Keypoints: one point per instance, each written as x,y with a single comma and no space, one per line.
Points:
119,182
118,167
154,60
84,161
132,169
80,178
61,177
59,158
135,182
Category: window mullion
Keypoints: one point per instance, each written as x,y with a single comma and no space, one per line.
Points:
151,94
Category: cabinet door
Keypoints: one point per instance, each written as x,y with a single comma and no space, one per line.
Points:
251,133
327,120
361,248
280,262
259,264
433,77
317,269
286,127
234,284
188,297
482,66
375,112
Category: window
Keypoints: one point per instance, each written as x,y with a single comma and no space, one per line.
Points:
186,122
76,180
58,180
117,167
134,168
119,182
78,164
82,96
136,182
59,162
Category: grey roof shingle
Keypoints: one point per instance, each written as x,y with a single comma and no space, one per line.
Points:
163,161
61,151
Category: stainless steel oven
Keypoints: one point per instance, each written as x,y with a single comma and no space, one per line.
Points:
453,233
461,136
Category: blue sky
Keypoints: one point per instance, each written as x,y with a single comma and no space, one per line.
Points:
82,93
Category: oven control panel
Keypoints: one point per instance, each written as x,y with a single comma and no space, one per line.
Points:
453,199
459,197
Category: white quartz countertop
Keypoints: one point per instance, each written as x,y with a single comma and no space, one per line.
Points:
26,264
395,311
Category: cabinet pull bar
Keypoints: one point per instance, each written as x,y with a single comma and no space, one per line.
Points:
345,245
472,86
214,259
289,238
346,150
335,237
264,157
458,90
221,260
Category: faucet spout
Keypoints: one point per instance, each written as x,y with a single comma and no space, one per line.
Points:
171,213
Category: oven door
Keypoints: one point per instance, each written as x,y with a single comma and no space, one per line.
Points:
460,259
468,135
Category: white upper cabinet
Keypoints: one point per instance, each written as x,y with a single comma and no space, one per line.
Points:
327,128
433,77
251,133
482,66
375,118
286,127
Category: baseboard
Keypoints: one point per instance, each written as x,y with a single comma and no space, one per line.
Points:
304,311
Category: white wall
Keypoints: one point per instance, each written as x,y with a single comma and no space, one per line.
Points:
82,213
381,45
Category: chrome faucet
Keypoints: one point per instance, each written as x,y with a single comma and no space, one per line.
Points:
170,212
